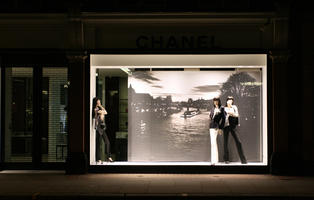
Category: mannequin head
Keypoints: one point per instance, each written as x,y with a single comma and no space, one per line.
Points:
229,101
96,102
217,102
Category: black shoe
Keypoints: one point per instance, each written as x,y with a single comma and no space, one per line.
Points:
227,162
244,162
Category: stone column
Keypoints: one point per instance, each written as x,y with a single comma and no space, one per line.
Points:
280,93
280,112
307,91
77,159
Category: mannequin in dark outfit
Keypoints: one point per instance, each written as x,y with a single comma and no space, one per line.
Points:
99,113
230,111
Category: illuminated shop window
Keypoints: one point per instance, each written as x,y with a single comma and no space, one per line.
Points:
159,109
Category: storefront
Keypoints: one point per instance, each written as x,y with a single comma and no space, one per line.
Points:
156,77
158,109
157,82
158,98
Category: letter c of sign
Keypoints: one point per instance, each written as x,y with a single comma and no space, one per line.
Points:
141,42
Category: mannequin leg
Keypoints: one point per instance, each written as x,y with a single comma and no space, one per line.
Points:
214,148
226,149
239,146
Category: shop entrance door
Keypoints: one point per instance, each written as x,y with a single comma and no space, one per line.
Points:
34,126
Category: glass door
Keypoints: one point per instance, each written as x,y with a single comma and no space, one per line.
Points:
35,115
54,133
18,114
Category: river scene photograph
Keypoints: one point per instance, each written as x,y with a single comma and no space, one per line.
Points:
169,114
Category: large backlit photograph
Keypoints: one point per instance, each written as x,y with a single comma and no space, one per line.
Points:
169,114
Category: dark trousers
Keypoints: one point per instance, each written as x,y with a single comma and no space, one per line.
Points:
102,135
227,130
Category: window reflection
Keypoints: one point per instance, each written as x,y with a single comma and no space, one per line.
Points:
19,108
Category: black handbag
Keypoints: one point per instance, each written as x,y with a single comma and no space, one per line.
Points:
103,126
233,121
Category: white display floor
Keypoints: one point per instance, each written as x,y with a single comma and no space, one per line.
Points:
179,163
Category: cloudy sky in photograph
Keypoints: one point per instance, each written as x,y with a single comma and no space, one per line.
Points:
181,85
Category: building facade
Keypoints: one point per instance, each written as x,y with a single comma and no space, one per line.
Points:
47,73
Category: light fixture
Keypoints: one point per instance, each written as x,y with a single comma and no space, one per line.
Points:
126,70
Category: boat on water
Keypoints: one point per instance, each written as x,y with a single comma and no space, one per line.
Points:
189,114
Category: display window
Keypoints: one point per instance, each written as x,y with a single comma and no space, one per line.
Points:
178,110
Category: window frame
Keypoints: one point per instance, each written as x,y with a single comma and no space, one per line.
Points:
266,114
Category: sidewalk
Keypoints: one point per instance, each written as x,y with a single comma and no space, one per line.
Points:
57,185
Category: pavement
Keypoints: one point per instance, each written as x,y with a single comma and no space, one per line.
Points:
16,184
